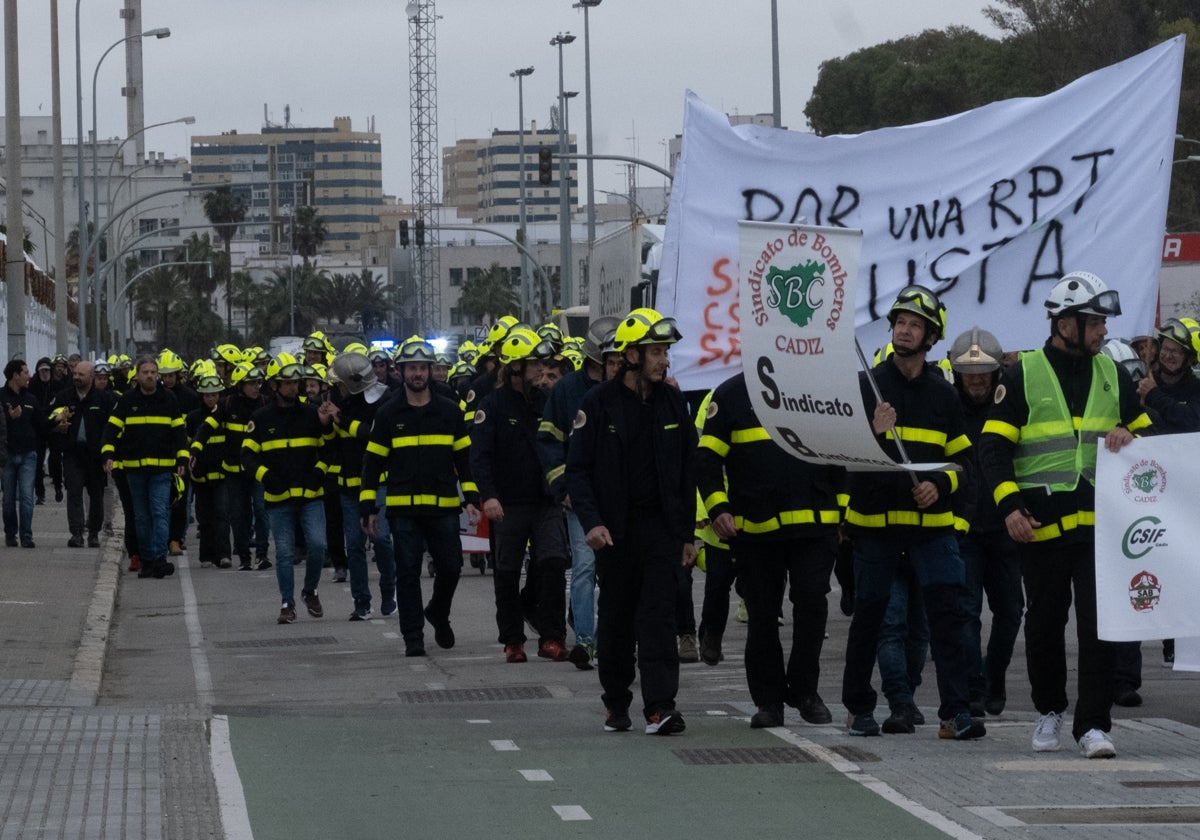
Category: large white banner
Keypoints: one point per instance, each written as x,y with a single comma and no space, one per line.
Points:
797,292
987,207
1147,534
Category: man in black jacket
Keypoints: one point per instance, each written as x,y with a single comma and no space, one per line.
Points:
79,415
505,466
631,477
146,439
26,425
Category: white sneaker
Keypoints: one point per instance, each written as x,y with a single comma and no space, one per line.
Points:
1095,743
1045,734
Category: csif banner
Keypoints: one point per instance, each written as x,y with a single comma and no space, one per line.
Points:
988,208
798,346
1147,531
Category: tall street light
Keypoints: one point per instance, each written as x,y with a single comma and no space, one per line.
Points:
519,74
587,107
564,183
160,33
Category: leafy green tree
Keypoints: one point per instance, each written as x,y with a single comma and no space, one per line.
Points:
338,299
26,243
245,292
374,302
488,293
201,280
154,295
271,314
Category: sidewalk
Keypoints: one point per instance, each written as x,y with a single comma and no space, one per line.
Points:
69,768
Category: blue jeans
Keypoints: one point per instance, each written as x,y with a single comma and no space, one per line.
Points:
284,518
150,491
20,473
903,639
356,553
939,571
410,536
583,582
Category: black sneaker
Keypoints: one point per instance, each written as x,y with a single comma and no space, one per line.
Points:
443,633
862,725
362,612
995,703
767,717
287,613
962,728
899,722
668,722
75,542
977,708
93,541
163,568
339,574
617,720
245,566
414,648
262,564
27,543
312,603
1128,697
387,607
581,656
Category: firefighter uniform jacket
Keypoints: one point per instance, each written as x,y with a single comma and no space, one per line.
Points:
929,420
146,431
504,459
92,412
351,431
283,449
598,469
1175,407
771,495
562,404
1069,515
208,459
225,429
424,451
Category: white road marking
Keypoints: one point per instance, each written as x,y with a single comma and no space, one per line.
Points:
191,620
536,775
571,812
479,720
231,799
21,604
1079,764
853,772
504,746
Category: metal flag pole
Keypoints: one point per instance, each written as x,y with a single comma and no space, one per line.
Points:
862,359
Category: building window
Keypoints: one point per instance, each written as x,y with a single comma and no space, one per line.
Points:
147,226
472,275
456,276
456,316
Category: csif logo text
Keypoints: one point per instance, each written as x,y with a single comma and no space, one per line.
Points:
1142,536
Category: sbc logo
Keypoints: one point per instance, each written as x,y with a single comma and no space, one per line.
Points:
1143,535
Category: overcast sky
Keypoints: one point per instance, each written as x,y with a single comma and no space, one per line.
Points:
225,59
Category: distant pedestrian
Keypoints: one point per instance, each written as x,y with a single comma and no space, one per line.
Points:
79,415
26,427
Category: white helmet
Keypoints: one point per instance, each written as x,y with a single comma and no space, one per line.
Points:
1082,293
1122,352
352,370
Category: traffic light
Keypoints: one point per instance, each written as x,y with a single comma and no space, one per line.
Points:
420,226
404,233
545,165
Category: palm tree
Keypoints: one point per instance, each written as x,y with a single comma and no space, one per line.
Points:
339,301
374,301
309,231
489,293
153,296
225,211
245,292
200,279
272,305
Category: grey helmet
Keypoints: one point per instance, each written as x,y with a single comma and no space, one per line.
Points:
353,370
597,331
976,351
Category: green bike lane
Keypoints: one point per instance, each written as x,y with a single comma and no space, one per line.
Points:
524,769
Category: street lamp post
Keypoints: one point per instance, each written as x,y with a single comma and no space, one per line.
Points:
519,74
564,183
587,107
160,33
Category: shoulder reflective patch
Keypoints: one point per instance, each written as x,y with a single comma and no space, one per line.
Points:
480,416
250,427
711,411
470,398
1000,392
580,420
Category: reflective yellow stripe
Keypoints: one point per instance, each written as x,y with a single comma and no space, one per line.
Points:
353,430
116,421
134,463
1003,490
900,517
260,473
236,427
917,435
152,420
469,487
367,494
786,518
714,444
422,440
251,444
550,429
377,449
462,443
957,445
753,435
1006,430
290,443
1139,422
1079,519
293,493
556,473
718,498
953,476
425,499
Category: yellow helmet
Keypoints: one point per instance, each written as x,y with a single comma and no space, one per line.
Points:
245,373
645,326
169,362
356,347
518,344
501,328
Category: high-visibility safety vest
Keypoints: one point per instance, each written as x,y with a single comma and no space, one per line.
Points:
1054,449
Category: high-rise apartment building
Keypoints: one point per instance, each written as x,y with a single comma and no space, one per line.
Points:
481,177
337,170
